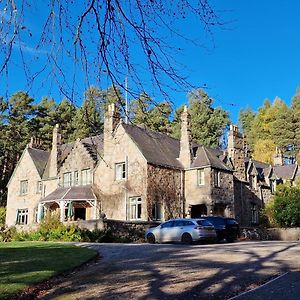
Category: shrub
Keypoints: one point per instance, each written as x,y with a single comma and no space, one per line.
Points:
267,217
7,234
287,206
2,216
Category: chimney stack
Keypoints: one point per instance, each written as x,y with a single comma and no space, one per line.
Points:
278,158
55,152
185,154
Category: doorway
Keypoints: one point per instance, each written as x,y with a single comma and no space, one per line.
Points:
198,210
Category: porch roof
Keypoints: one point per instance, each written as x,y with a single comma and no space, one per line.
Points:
75,193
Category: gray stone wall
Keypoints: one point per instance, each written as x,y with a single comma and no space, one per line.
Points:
164,187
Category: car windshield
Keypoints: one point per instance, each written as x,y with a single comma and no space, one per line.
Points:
204,223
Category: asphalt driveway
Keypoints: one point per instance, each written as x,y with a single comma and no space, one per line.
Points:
142,271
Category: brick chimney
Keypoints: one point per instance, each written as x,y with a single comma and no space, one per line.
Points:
236,151
112,119
278,158
55,152
185,154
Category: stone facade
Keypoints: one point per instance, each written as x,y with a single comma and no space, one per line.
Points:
134,174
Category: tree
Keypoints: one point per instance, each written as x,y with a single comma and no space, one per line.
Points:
96,37
264,150
287,206
246,118
295,107
207,122
155,117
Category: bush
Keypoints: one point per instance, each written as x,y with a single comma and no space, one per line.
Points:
51,229
2,216
7,234
267,218
287,206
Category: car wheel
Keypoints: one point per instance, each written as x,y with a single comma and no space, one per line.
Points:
186,239
151,238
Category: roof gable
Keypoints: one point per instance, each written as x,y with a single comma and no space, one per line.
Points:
39,158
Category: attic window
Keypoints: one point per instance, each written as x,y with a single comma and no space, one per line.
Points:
23,187
120,169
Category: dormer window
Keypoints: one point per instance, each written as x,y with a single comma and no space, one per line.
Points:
252,181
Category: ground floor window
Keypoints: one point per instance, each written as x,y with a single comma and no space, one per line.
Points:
22,216
157,212
254,214
134,208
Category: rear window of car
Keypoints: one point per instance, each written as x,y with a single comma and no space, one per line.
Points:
231,222
216,221
204,223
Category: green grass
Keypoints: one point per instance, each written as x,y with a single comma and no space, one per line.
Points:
23,264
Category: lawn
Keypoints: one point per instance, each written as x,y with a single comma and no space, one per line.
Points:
23,264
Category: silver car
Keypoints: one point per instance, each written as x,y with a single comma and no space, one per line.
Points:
185,231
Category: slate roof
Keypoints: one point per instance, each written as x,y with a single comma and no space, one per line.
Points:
207,157
39,158
75,193
157,148
286,171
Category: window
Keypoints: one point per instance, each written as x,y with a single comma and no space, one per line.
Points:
120,171
135,208
22,216
157,211
167,224
39,187
67,179
252,181
86,177
76,178
254,214
200,176
273,185
217,178
23,187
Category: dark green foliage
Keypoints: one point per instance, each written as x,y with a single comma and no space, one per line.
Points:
2,216
287,206
155,117
207,123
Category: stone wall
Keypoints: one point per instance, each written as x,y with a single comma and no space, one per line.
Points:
244,198
164,187
25,170
112,193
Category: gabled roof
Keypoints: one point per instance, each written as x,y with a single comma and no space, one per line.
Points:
157,148
39,158
286,171
207,157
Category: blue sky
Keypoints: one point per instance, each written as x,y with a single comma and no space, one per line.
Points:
253,56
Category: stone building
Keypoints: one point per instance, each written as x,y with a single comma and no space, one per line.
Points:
132,173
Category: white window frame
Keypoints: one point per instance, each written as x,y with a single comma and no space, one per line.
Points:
23,187
67,179
217,178
39,187
86,177
120,171
134,211
22,216
76,178
200,177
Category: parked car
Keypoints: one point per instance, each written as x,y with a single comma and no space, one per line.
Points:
185,231
226,228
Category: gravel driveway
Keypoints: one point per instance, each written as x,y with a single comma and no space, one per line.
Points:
142,271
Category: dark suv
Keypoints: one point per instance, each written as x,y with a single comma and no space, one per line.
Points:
226,228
